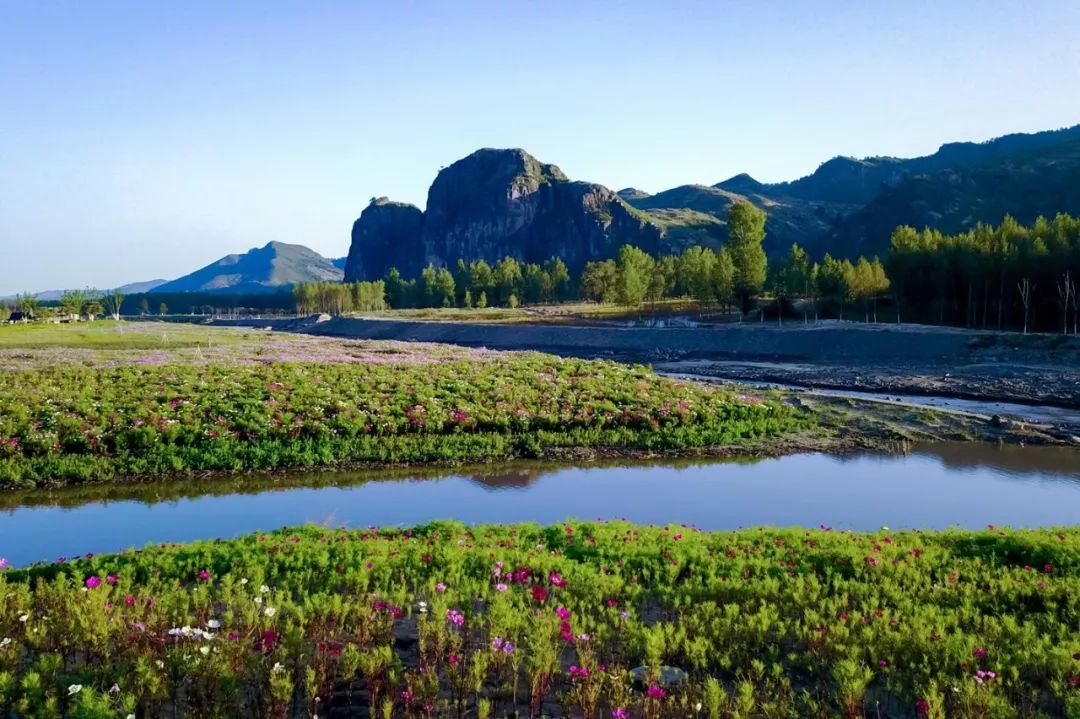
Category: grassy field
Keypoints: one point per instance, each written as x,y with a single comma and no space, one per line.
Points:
585,619
77,410
110,335
568,313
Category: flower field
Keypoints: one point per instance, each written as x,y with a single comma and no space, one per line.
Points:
589,619
266,409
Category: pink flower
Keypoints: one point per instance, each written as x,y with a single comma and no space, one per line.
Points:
455,617
3,564
129,600
93,582
562,613
556,579
656,692
500,587
440,587
922,706
883,663
619,713
112,579
978,653
204,575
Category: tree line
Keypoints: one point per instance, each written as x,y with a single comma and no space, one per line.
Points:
337,298
1008,276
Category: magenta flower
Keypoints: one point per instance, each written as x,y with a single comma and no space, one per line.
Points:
455,617
562,613
204,575
656,691
112,579
440,587
93,582
619,713
3,564
978,653
556,579
922,706
129,600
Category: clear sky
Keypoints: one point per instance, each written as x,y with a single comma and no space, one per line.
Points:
145,139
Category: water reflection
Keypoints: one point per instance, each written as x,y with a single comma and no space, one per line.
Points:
934,486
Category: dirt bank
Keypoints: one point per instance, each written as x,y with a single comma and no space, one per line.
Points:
914,359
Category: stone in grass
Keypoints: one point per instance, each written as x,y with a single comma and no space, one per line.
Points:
669,676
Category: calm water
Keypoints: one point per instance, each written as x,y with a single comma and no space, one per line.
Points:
963,485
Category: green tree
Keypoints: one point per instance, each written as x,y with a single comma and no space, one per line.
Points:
481,301
399,291
698,267
723,277
635,269
71,302
746,232
559,276
535,285
598,281
163,309
507,278
797,276
481,277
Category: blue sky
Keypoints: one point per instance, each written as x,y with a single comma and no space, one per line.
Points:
140,140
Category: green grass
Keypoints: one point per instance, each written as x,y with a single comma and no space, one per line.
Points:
110,335
785,623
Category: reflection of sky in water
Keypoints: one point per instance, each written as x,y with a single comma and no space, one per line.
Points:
930,490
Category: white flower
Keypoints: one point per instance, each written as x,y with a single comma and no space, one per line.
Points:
160,664
258,600
74,689
4,642
264,589
243,581
422,606
24,617
269,611
130,716
278,667
204,650
213,624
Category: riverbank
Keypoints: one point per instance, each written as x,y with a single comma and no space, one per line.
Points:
914,359
578,617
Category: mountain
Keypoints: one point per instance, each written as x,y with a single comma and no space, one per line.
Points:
495,203
492,204
264,269
133,288
849,206
138,288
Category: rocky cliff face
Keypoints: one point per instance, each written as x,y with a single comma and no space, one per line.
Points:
386,235
493,204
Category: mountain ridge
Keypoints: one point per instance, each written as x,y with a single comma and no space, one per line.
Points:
261,269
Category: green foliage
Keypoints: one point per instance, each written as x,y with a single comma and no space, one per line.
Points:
973,278
339,298
73,424
635,273
931,624
746,232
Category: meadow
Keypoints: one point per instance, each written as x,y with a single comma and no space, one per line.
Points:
83,410
589,619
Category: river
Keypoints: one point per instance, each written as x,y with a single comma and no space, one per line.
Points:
933,486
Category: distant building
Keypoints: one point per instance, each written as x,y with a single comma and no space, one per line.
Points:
18,316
